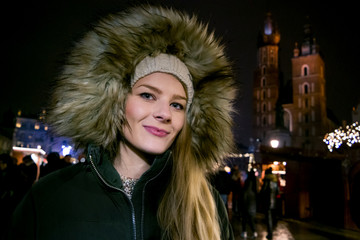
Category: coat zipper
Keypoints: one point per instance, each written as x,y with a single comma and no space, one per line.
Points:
143,195
118,189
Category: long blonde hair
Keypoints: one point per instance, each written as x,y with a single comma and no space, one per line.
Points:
188,210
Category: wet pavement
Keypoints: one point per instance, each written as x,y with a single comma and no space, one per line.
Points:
290,229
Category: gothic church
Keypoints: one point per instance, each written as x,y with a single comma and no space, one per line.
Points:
302,121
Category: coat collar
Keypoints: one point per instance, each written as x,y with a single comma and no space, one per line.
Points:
102,164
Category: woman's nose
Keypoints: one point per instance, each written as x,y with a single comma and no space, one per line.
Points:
162,112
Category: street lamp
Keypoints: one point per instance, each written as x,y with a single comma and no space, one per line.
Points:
274,143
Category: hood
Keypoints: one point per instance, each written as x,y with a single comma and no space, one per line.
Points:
89,100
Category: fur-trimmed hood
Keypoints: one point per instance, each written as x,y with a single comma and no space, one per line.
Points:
89,101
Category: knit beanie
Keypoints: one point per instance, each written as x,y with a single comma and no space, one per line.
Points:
165,63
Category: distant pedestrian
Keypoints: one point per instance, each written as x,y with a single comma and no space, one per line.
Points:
29,172
249,204
54,162
222,182
269,191
236,189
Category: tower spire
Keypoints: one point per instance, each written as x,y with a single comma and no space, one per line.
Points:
309,45
271,34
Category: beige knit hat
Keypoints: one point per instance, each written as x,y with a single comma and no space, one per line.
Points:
165,63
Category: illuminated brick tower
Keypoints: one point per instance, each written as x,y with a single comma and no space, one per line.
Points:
266,80
306,117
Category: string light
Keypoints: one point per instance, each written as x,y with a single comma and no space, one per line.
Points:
349,136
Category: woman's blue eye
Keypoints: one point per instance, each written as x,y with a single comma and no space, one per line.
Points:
146,95
177,106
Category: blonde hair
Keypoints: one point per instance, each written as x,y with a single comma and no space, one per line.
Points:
188,210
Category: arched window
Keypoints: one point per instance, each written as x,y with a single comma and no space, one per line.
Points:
263,82
305,88
305,70
288,120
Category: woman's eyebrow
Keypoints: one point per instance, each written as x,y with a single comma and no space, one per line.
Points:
176,96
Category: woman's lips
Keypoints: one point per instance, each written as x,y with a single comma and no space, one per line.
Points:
156,131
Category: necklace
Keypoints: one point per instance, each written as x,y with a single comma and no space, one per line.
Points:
128,184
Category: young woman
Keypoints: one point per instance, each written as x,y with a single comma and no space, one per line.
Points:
148,93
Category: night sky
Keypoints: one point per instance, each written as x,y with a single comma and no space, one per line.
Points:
36,38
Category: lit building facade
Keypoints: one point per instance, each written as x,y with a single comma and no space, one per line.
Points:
302,122
30,133
306,116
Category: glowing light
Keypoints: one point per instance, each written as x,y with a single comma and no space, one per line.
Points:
240,155
34,150
274,143
350,135
66,150
227,169
276,163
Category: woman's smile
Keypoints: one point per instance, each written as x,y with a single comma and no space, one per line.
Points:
156,131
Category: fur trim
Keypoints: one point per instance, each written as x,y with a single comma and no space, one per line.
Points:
89,101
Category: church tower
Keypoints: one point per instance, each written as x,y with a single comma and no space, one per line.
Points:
307,115
266,80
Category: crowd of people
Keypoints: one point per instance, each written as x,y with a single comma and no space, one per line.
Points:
249,194
17,178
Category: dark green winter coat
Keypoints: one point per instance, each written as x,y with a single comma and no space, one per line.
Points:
86,201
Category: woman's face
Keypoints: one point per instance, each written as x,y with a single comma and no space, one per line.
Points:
155,112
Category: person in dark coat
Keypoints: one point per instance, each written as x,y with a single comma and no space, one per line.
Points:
54,163
237,190
222,182
29,173
269,191
148,94
249,204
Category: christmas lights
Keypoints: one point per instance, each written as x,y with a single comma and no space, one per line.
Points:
349,136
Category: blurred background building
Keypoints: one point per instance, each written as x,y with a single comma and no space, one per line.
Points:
34,135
